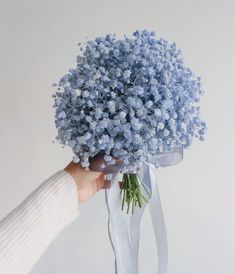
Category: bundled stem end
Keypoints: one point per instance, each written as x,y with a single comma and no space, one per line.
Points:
131,192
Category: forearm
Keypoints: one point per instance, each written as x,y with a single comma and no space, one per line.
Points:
28,230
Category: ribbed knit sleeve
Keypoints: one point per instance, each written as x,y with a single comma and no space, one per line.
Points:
28,230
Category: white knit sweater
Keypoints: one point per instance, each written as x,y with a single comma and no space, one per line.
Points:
28,230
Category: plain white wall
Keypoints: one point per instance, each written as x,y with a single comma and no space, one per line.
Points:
38,44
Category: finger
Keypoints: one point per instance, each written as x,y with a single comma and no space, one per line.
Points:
100,181
106,184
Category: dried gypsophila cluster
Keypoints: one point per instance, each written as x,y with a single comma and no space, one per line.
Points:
129,98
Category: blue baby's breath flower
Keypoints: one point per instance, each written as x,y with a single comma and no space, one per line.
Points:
122,115
149,104
157,112
129,98
160,125
126,74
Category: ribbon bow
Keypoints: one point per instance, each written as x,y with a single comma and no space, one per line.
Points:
124,241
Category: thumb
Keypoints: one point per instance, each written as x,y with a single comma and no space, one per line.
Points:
101,182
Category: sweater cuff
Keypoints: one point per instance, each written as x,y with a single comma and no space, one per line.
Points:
65,191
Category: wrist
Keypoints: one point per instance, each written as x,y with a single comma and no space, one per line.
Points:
74,171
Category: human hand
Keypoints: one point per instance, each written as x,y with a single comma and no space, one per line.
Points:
88,182
91,181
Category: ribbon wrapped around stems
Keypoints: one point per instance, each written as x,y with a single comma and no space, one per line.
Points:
124,240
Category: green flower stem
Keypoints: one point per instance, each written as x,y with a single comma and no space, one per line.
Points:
131,192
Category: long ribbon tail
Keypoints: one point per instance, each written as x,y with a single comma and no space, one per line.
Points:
158,222
109,231
118,231
135,223
148,179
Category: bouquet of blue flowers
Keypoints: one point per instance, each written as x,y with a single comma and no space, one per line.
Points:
128,99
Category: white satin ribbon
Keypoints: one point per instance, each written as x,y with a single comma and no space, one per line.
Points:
124,239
